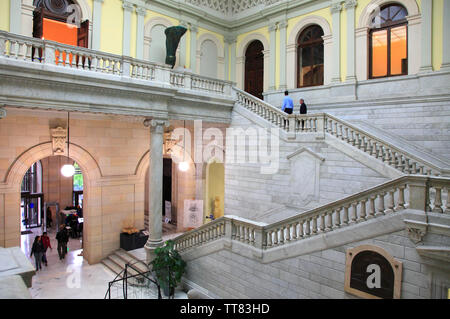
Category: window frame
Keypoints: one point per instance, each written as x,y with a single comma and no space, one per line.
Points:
309,44
388,26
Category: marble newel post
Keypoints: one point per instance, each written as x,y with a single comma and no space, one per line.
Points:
155,181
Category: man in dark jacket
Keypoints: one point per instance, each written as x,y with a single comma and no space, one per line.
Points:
303,111
62,237
37,250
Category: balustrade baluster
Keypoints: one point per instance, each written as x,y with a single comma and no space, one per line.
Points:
352,137
288,232
447,203
381,209
275,239
300,229
345,215
391,158
354,213
269,239
337,217
371,207
329,221
308,227
314,225
401,198
346,134
357,142
294,231
438,201
373,148
281,238
322,223
362,211
390,208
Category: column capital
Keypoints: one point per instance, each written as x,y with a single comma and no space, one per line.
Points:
350,4
141,11
2,112
183,23
282,24
230,39
156,125
193,28
127,6
336,8
273,27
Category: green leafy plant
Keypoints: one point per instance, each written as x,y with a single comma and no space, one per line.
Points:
168,266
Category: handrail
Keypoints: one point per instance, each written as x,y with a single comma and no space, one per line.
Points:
402,160
72,57
417,192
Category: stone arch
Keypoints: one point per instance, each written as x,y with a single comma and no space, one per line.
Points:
220,53
362,34
10,191
240,59
148,30
291,48
27,17
209,189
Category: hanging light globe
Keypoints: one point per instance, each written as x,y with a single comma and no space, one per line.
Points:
183,166
68,170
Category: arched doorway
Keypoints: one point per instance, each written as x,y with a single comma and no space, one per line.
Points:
254,69
60,21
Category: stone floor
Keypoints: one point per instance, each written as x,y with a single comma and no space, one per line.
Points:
72,277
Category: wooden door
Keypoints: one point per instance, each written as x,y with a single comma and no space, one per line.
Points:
254,69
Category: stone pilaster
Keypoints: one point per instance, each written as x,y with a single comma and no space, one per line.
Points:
141,12
15,8
426,43
273,49
182,47
231,41
282,26
96,24
336,62
155,174
350,6
193,62
446,37
127,10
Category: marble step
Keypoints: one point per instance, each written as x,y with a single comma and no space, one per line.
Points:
111,265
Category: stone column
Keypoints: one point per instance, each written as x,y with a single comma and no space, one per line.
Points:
350,8
446,37
426,43
231,40
282,26
15,8
127,10
97,24
141,12
155,181
336,20
273,49
193,50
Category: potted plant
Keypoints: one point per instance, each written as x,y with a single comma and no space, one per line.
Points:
168,267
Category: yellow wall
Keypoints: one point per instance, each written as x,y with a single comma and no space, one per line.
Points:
438,8
112,27
215,186
324,13
4,15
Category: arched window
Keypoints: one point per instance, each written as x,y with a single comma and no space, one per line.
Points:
310,57
388,44
208,61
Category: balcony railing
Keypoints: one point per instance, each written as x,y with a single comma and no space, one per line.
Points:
46,52
420,193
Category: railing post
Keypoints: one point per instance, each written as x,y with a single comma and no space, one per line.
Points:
126,66
188,81
291,131
228,231
418,194
260,235
2,44
49,53
321,124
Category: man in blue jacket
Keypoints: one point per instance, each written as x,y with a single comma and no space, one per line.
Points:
288,104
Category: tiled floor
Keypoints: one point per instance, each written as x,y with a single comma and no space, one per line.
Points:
72,277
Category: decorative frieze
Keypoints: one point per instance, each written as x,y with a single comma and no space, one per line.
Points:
59,137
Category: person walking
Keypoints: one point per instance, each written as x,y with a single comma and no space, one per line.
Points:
46,243
37,250
62,237
288,104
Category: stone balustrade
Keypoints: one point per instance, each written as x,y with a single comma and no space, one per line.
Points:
70,57
416,192
393,156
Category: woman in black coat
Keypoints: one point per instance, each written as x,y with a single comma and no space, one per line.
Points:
37,249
